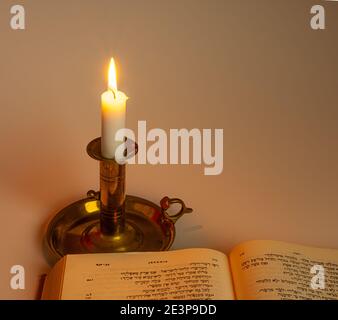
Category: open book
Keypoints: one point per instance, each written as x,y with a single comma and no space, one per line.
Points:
253,270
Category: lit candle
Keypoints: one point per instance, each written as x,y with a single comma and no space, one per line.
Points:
113,113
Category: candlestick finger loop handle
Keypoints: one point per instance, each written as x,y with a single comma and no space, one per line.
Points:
93,194
167,202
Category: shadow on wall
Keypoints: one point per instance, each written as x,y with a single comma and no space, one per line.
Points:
38,163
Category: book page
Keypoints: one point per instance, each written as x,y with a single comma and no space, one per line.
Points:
53,282
277,270
181,274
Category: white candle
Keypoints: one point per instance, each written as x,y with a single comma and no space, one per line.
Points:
113,113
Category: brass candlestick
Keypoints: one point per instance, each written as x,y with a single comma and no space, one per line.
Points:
110,221
112,193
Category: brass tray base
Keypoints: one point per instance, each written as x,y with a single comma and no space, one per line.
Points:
76,228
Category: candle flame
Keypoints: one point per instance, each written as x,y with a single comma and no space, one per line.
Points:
112,82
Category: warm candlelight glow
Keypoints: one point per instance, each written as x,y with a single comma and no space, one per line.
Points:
113,110
112,82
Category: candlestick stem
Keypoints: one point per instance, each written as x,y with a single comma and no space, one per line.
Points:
112,197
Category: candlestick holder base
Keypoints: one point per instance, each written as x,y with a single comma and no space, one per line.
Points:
130,224
76,228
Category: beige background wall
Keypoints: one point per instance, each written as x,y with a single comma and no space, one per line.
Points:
254,68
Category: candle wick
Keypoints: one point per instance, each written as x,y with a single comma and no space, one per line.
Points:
113,91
